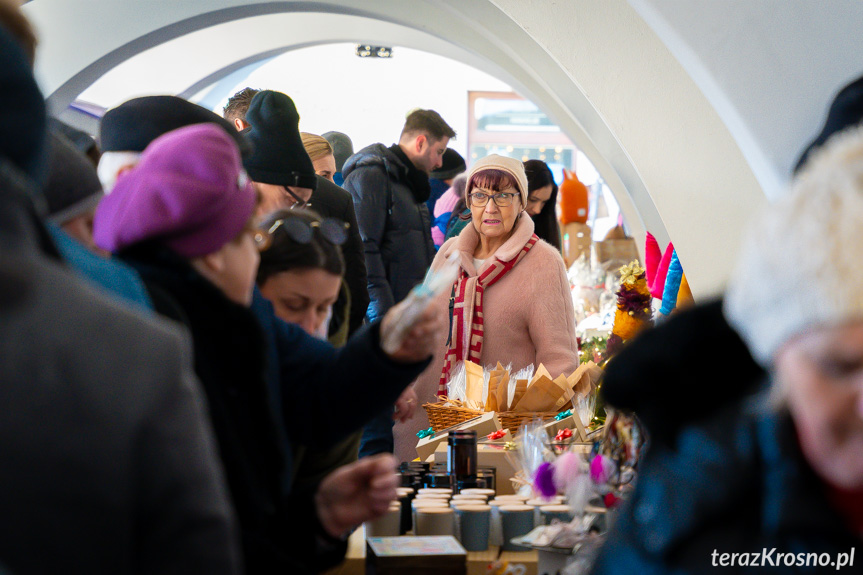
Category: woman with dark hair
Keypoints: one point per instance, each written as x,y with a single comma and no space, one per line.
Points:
301,268
542,201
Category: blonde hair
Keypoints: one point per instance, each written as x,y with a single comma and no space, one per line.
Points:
316,146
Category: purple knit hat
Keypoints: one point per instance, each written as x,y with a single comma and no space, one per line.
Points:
189,192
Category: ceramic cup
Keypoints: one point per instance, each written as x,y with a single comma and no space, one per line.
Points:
516,520
495,534
517,498
406,497
426,490
560,512
420,503
387,525
473,522
435,521
477,491
441,496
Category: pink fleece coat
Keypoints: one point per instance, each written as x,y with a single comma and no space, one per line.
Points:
528,318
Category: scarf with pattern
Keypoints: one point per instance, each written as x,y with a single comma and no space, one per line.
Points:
467,307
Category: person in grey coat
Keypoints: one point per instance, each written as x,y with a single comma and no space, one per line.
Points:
108,459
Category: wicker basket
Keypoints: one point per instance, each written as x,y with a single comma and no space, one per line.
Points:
444,414
513,420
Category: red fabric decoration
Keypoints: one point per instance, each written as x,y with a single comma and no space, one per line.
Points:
652,255
610,500
563,434
499,434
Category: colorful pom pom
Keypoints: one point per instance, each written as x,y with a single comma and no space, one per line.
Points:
543,480
566,470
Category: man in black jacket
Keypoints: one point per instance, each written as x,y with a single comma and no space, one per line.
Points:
329,201
390,187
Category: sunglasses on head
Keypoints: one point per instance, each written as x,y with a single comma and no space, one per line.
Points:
333,230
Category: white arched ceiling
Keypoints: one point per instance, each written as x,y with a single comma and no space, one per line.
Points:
597,68
769,68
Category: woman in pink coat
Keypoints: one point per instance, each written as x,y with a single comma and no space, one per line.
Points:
512,299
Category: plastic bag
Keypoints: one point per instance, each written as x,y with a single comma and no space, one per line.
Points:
420,297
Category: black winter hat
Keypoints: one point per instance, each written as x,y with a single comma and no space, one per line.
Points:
22,111
845,111
131,126
453,165
668,375
278,156
73,185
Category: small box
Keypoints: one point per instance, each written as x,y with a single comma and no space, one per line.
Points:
482,424
415,555
491,455
553,426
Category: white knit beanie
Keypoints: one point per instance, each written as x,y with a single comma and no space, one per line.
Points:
509,165
801,265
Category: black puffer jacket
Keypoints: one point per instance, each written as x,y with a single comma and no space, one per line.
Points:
331,201
395,227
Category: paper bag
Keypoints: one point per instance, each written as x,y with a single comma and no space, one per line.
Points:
502,393
520,390
491,397
541,371
473,394
579,385
543,395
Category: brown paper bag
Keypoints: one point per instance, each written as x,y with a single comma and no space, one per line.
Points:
501,395
562,382
473,392
491,397
520,390
578,383
540,372
543,395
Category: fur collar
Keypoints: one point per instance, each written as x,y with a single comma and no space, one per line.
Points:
468,239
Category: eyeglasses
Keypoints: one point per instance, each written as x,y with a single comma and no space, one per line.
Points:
501,199
333,230
299,203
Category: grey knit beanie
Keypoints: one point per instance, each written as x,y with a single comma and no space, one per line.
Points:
799,267
343,147
73,186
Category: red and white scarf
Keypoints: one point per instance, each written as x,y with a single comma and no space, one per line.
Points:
468,308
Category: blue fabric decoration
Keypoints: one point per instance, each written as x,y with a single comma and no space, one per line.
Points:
672,285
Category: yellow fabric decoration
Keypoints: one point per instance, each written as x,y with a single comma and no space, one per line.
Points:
626,326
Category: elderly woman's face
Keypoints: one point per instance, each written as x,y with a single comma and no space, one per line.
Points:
492,220
822,375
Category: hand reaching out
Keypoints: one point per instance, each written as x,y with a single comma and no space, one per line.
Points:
406,405
356,493
425,338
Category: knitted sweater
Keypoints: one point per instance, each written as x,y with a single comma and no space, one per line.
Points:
528,318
